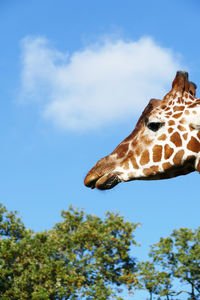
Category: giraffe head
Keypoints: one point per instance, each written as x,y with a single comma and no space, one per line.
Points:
164,144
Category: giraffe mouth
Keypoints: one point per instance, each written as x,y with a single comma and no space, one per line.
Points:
105,182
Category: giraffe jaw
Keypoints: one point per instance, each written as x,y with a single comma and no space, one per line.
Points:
105,182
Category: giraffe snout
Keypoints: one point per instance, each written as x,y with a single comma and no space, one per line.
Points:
102,176
105,182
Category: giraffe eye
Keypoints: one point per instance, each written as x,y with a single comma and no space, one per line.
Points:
154,126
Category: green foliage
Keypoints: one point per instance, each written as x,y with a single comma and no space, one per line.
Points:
85,257
175,258
81,257
154,281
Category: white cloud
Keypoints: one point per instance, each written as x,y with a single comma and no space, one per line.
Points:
96,85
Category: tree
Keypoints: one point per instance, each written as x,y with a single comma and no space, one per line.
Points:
154,281
179,256
81,257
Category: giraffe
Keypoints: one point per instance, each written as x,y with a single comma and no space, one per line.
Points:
164,144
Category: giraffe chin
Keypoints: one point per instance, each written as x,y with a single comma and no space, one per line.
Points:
104,182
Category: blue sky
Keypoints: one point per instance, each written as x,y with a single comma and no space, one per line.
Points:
75,76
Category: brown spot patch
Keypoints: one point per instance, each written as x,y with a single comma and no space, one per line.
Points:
191,127
131,175
144,158
191,98
169,113
176,139
151,171
187,112
178,157
122,150
136,146
134,162
125,164
182,121
198,135
145,139
177,115
168,151
170,130
138,150
162,137
157,153
166,166
185,135
180,100
178,108
134,143
194,145
171,122
181,128
130,153
194,112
